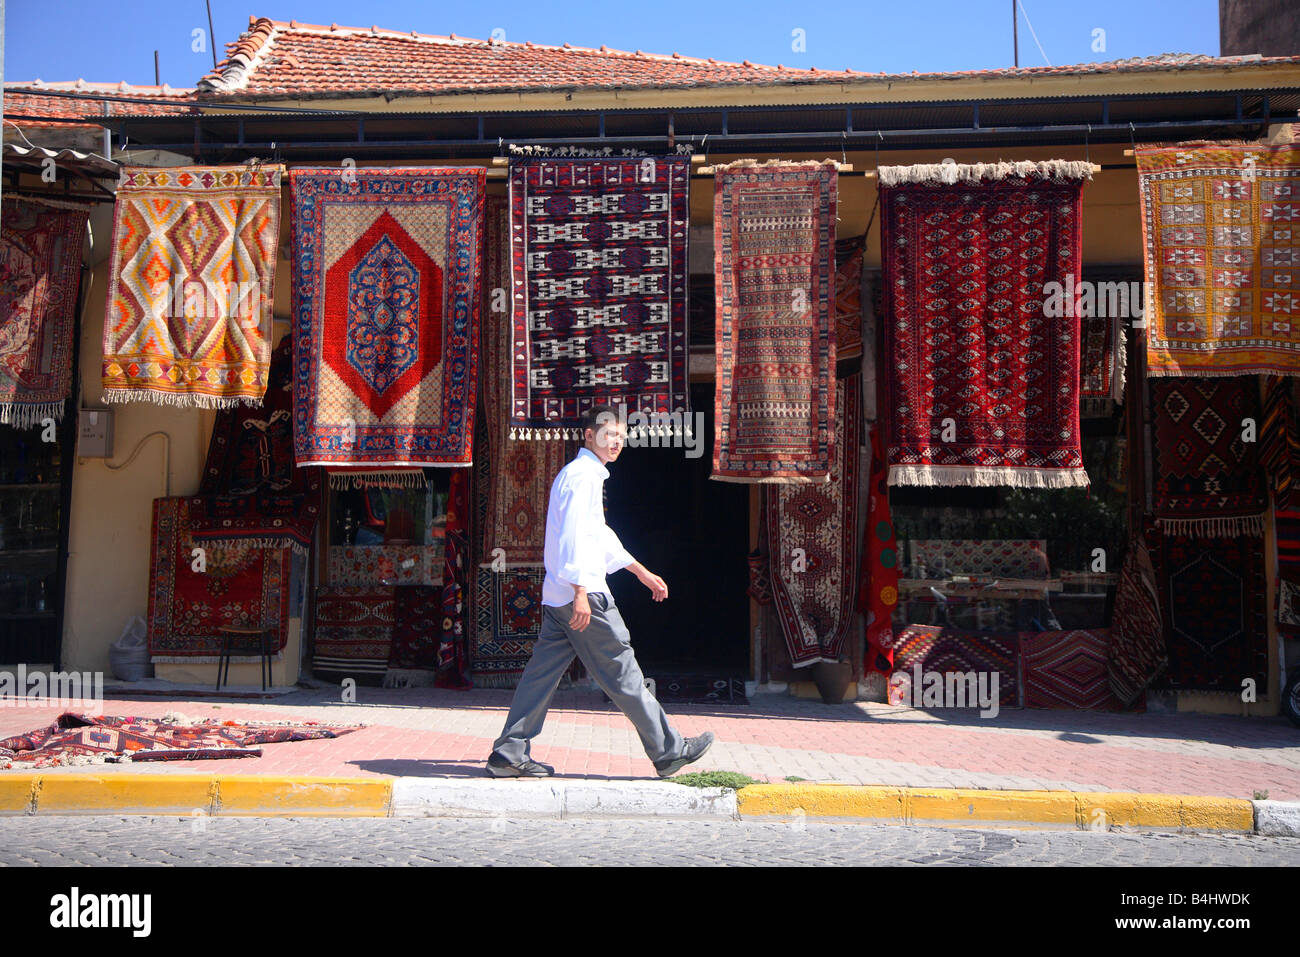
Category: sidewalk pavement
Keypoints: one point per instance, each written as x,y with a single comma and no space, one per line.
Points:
432,735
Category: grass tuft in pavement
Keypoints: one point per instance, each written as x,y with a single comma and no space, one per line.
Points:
714,779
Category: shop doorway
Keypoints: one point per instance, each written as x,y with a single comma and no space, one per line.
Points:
694,533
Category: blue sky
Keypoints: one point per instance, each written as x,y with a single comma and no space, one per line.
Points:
100,41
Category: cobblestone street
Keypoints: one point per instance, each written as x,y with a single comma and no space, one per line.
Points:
115,841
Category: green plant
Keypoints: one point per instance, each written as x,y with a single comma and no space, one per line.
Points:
714,779
1261,795
794,777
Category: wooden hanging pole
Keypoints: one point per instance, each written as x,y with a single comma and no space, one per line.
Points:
841,167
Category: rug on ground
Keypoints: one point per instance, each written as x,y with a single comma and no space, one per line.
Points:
1213,602
940,650
774,249
1067,669
1221,250
985,383
90,739
40,274
598,294
196,589
251,491
385,315
191,285
353,632
1206,480
812,531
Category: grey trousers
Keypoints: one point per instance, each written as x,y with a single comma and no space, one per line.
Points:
606,650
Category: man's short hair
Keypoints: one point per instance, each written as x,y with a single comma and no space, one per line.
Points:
597,416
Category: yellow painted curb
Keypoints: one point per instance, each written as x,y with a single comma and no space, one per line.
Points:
970,807
333,797
124,793
16,792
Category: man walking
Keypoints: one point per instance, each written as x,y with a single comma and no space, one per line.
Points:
579,616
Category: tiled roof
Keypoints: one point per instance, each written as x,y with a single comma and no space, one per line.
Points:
272,59
61,111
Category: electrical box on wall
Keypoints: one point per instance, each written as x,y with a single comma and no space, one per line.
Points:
95,433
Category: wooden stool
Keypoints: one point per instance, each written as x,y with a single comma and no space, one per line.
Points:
231,635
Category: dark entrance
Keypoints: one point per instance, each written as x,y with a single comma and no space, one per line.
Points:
694,533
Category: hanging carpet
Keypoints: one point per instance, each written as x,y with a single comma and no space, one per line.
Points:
508,609
598,254
191,285
774,248
251,490
1287,524
40,272
1212,594
1222,252
1206,480
1067,669
235,584
1136,656
991,558
1102,369
385,313
984,387
519,481
75,739
453,640
1279,440
848,298
812,531
353,632
878,588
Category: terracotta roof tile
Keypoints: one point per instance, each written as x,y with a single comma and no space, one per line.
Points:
274,59
63,111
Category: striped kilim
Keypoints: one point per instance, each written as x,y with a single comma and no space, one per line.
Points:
774,248
812,529
1222,250
1136,656
1279,441
1067,669
40,263
353,631
191,285
386,299
598,250
985,361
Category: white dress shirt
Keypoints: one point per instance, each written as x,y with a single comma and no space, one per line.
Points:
580,548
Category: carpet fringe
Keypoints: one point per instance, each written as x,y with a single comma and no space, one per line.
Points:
1120,380
180,400
761,164
1220,373
495,680
24,415
1213,527
936,475
950,174
775,480
298,547
378,479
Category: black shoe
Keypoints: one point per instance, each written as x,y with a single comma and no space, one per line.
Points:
691,752
499,767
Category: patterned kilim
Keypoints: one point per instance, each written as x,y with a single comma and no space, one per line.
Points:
774,272
878,589
812,529
453,651
1223,253
191,285
848,298
598,252
508,610
697,689
995,558
75,739
521,474
251,490
949,650
1213,600
985,383
1137,635
1067,669
40,263
391,564
354,631
417,620
239,585
1206,480
386,315
1279,441
1104,352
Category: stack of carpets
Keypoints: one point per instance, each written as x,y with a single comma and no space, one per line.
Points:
774,243
985,384
40,274
191,285
386,310
353,632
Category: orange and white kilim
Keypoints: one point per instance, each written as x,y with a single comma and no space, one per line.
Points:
188,317
1221,231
